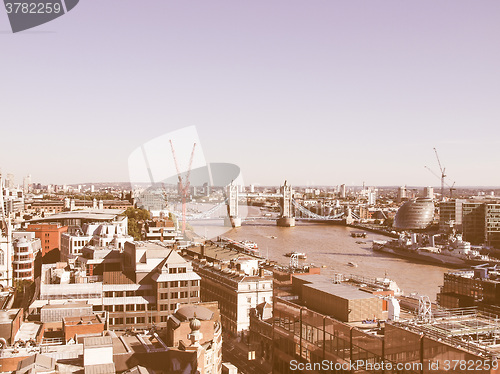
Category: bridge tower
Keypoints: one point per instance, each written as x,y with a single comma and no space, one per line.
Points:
232,218
287,218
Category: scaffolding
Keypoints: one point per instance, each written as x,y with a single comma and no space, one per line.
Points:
465,328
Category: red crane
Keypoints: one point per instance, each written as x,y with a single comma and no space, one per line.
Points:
183,185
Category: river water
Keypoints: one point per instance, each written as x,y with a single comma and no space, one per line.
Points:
333,247
326,245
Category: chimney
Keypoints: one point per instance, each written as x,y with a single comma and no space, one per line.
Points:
202,251
161,235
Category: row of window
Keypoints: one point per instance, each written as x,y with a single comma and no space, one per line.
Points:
136,320
129,307
178,295
177,270
173,284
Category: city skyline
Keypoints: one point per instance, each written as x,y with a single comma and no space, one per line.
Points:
321,94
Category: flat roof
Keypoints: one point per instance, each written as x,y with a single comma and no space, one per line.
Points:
313,278
92,214
340,290
97,342
100,369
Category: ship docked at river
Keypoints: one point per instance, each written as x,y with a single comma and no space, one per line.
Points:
453,252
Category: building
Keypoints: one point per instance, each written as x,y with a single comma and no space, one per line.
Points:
13,202
473,287
50,237
26,249
402,194
233,278
481,222
6,254
308,341
97,234
27,184
180,328
237,291
429,192
138,286
343,302
48,207
152,200
161,229
415,214
450,215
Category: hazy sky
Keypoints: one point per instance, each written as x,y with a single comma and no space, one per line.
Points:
318,92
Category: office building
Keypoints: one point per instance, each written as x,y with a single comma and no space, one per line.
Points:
450,215
26,247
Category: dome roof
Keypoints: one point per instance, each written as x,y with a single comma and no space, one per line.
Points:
188,312
195,324
415,214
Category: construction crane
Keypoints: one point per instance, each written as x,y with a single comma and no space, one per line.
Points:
442,177
183,185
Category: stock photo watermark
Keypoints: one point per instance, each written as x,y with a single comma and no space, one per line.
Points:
27,14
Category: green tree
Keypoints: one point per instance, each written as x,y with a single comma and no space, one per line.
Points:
136,218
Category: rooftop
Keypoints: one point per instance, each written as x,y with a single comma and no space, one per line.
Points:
340,290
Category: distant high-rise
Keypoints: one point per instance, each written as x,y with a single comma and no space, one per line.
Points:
372,197
342,191
27,186
401,194
429,192
10,182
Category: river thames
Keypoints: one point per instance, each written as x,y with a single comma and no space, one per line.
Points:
333,247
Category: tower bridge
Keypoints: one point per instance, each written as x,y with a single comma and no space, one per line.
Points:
288,206
290,209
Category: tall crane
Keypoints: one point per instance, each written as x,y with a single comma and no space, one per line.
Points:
442,177
183,185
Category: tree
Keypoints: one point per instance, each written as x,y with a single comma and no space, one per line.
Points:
136,217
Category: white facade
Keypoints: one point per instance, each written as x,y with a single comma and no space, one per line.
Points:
26,247
6,249
251,292
99,235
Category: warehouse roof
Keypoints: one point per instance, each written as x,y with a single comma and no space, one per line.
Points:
340,290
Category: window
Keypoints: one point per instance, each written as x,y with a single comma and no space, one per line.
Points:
140,307
129,293
119,321
174,284
194,283
172,270
184,283
173,306
182,270
118,308
194,294
174,295
184,294
152,319
141,319
130,320
129,308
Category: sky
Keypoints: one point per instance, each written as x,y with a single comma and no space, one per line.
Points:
315,92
